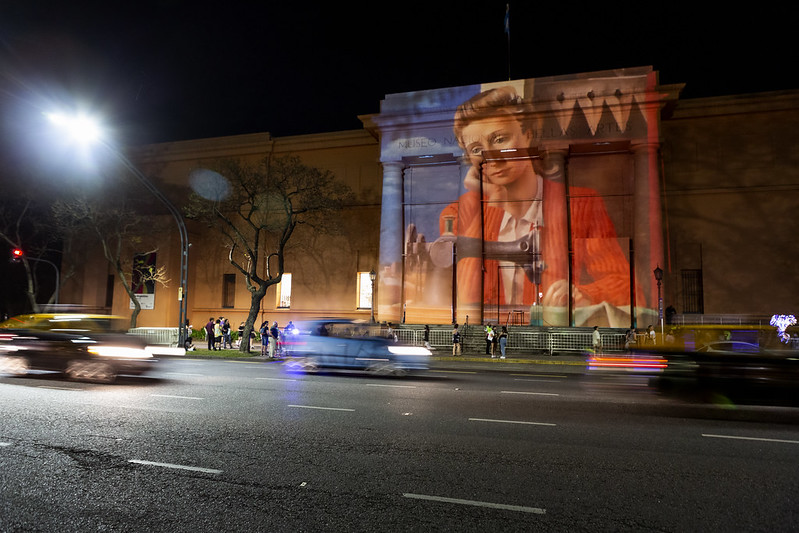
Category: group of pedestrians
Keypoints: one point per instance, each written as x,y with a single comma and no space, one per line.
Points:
217,333
275,342
496,340
631,339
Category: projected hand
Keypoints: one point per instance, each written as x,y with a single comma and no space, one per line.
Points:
494,193
558,295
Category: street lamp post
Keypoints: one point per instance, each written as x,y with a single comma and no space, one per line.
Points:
372,277
659,277
85,130
184,241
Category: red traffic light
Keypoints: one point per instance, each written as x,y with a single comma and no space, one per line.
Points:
17,254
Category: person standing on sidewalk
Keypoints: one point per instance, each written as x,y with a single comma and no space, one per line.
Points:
274,334
456,342
264,332
209,333
503,341
241,335
596,339
489,339
226,342
218,334
427,337
650,335
629,339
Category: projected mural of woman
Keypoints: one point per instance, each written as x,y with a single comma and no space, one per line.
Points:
517,201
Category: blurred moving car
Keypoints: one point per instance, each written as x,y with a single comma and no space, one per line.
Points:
729,346
85,347
352,345
735,370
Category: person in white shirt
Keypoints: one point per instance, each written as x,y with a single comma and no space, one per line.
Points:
596,337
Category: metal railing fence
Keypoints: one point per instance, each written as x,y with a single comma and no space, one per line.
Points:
161,336
521,340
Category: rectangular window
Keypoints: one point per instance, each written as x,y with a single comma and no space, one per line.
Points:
228,290
364,290
692,291
284,291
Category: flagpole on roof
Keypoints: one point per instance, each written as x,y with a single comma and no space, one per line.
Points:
507,33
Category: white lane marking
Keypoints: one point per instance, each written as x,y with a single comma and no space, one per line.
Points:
391,386
511,422
454,371
56,388
184,374
535,510
5,444
276,379
322,408
748,438
529,393
179,397
541,375
178,467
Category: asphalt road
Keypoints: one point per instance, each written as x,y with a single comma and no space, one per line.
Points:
208,445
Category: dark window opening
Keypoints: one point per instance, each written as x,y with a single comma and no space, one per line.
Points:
228,290
692,292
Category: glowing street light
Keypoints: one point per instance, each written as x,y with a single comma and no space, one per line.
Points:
84,130
80,128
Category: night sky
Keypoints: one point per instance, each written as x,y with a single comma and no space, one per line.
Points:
169,70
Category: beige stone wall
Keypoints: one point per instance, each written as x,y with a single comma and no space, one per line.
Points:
731,168
324,268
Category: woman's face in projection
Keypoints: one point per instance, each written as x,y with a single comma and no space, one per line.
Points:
497,133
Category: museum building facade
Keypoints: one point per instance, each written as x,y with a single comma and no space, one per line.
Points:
548,201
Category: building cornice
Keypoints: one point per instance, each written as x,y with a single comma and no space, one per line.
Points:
765,102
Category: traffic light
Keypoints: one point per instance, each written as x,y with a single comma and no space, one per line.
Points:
17,255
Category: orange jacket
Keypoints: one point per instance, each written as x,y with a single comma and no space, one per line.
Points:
601,270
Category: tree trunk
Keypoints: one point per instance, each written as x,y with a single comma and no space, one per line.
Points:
256,296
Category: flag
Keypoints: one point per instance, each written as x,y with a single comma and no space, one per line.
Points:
507,19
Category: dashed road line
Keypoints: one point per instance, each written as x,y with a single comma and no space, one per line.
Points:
529,393
322,408
735,437
511,422
178,397
559,376
175,466
476,503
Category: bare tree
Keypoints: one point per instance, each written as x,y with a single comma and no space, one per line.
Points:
27,225
121,233
256,207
